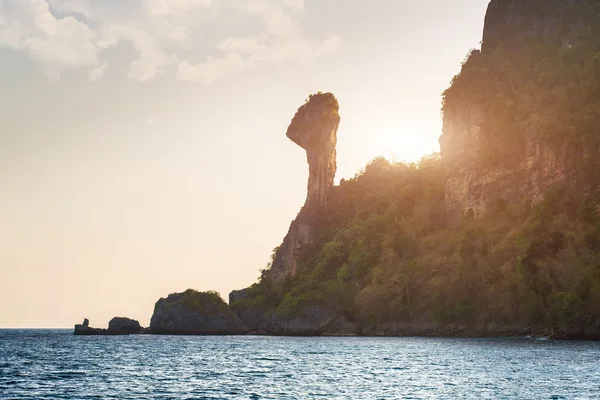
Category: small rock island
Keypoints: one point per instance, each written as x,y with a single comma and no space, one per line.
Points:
116,326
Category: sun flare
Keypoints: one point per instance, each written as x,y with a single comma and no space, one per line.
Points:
399,144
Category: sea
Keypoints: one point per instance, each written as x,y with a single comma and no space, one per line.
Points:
54,364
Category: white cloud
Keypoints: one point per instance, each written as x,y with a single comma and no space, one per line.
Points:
164,33
151,57
98,72
331,45
240,45
165,7
211,70
71,6
29,26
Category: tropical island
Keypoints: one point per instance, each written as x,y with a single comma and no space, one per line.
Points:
498,235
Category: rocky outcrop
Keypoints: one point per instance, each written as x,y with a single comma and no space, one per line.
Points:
314,128
308,320
255,318
124,325
312,320
237,295
195,313
116,326
85,329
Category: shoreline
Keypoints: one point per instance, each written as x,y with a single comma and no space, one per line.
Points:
457,335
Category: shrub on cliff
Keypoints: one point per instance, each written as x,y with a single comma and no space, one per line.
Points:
193,299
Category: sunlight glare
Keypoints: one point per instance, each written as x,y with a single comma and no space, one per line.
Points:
404,144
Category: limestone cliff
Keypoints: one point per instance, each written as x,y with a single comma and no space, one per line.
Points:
314,128
472,190
507,117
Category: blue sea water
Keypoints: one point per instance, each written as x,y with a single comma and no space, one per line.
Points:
54,364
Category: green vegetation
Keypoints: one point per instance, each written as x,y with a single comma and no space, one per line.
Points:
385,253
319,109
208,302
537,84
194,299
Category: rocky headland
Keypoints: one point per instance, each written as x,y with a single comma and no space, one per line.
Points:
498,235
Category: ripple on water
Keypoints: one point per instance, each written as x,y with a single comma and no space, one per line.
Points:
54,364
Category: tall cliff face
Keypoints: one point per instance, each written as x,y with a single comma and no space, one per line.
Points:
314,128
515,117
473,189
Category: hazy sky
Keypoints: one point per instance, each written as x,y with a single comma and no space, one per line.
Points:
143,147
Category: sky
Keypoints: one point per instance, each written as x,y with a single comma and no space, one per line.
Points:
142,142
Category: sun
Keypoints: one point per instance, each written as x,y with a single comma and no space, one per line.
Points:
404,144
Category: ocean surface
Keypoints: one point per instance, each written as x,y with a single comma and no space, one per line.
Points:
54,364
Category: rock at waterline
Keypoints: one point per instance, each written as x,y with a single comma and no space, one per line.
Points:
117,326
124,325
195,313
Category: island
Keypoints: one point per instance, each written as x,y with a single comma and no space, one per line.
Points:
497,235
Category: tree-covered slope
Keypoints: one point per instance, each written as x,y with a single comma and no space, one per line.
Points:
387,260
499,235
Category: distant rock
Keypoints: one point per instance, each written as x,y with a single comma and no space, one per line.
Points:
116,326
85,330
124,325
195,313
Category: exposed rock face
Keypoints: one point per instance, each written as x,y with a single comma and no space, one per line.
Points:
314,128
236,295
195,313
84,329
117,328
515,19
256,319
124,325
471,188
313,320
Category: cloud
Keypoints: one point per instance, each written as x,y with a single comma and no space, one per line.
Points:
211,70
202,40
331,45
71,6
98,72
29,26
166,7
